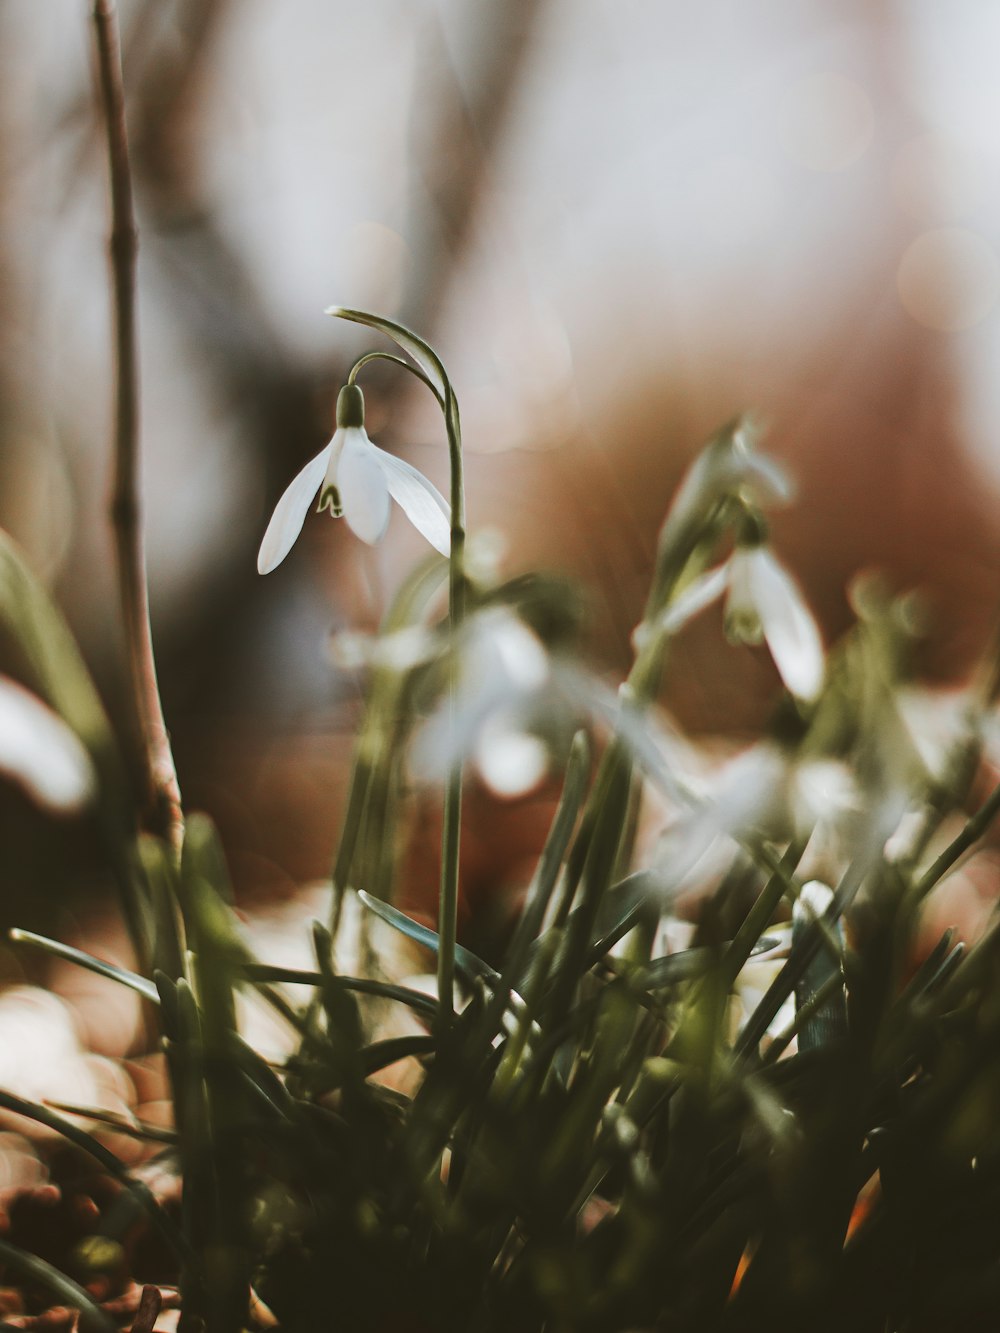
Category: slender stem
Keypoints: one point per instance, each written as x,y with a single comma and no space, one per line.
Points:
148,733
970,834
396,361
451,831
432,373
39,1272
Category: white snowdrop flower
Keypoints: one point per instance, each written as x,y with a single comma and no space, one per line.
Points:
746,796
356,479
728,465
399,650
502,670
40,753
766,603
763,602
764,792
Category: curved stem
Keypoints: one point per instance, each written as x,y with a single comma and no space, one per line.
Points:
150,741
432,372
451,830
396,361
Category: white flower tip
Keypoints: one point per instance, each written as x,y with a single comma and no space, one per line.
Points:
812,902
265,560
40,752
335,310
510,762
290,512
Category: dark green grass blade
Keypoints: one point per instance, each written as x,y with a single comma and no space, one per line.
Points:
70,955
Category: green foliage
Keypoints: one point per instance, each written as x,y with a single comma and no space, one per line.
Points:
601,1133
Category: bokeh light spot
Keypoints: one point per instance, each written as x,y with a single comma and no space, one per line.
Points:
949,279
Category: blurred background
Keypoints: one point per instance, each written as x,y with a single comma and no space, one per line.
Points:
619,222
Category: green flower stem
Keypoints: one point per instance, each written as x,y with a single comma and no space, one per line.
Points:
970,834
759,916
432,373
451,832
607,812
396,361
372,770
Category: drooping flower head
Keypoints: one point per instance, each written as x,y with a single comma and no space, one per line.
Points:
763,604
357,480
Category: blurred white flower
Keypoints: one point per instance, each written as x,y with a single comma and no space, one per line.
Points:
40,753
937,721
763,601
399,650
501,670
728,465
765,792
356,479
510,760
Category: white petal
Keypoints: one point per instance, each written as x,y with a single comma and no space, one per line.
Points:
727,464
363,487
502,655
40,752
789,628
812,902
290,513
743,615
421,502
764,480
511,761
698,595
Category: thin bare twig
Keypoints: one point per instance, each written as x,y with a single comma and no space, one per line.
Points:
148,1311
148,733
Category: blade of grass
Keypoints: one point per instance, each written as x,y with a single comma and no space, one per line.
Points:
66,952
42,1115
30,1269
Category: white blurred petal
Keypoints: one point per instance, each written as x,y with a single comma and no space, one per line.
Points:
751,791
401,650
502,666
936,722
502,647
765,480
749,797
39,752
789,628
743,613
290,512
728,465
812,902
823,790
363,487
421,501
698,595
510,761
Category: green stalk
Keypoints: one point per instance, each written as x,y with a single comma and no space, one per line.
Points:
451,831
432,373
969,835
